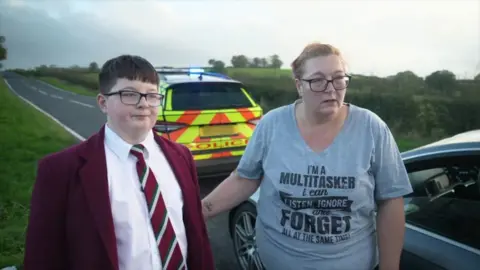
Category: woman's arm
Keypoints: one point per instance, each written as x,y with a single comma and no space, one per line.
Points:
245,180
231,192
391,230
391,184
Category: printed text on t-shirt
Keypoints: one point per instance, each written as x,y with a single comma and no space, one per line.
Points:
316,216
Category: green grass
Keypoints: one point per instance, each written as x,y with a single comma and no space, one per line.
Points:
405,144
92,76
26,136
68,86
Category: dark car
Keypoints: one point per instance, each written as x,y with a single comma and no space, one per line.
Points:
442,213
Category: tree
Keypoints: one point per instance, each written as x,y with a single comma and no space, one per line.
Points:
477,78
255,62
217,66
3,50
93,67
239,61
263,62
275,61
407,81
441,80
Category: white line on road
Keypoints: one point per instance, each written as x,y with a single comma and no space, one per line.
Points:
81,103
76,135
42,92
57,97
54,87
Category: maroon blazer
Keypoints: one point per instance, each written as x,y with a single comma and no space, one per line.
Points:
71,225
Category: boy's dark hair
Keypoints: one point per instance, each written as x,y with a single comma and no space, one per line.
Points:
129,67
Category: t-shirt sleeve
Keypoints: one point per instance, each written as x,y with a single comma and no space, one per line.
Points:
391,178
251,163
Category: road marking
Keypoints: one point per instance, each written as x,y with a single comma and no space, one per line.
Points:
75,134
54,87
81,103
57,97
42,92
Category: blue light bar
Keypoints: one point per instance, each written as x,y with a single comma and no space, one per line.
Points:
192,71
196,70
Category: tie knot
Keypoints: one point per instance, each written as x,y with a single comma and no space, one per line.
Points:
138,151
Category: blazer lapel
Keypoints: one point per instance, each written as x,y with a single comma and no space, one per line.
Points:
94,180
191,217
179,168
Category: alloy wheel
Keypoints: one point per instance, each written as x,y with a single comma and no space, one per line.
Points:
244,242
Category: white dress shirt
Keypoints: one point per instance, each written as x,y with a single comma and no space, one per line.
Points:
136,243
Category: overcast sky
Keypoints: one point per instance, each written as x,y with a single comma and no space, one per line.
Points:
377,37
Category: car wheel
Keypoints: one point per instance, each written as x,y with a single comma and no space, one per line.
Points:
243,228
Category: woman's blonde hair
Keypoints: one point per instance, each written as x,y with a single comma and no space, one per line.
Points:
310,51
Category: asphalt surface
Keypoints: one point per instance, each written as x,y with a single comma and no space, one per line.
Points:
82,115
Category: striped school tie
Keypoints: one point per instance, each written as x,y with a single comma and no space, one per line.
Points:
170,253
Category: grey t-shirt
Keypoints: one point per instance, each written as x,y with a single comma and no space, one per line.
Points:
317,210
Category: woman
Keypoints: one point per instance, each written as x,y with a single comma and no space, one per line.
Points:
325,168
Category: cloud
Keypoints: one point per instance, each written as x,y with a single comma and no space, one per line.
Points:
380,37
15,3
64,37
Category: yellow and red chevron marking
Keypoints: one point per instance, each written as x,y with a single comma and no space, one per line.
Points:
191,134
208,117
222,154
193,120
209,144
203,117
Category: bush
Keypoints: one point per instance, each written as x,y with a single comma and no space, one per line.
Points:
81,78
408,115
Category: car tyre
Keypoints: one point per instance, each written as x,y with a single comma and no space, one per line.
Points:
242,227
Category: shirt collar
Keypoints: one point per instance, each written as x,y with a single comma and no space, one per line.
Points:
121,148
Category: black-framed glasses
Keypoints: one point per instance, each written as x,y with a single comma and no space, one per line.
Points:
128,97
321,84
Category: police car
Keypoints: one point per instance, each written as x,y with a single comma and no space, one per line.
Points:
210,113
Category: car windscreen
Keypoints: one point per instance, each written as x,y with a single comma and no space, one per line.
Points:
208,96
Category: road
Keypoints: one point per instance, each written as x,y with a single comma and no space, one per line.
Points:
81,115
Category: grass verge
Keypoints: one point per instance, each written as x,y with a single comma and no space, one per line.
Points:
26,136
405,144
68,86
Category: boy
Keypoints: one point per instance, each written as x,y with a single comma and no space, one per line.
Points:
125,198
